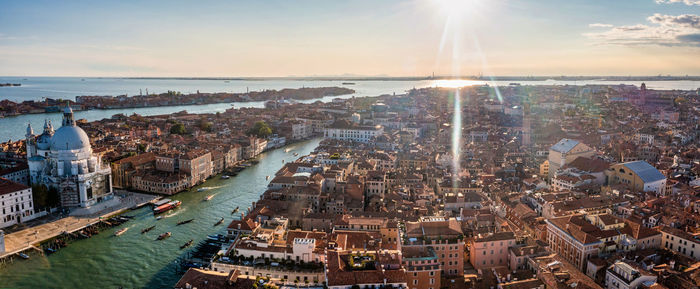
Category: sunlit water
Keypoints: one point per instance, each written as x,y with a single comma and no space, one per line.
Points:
133,260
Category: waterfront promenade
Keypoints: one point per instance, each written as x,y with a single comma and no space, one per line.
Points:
27,238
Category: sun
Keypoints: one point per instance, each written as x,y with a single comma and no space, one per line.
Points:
457,9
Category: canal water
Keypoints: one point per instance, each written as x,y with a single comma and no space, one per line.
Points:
133,260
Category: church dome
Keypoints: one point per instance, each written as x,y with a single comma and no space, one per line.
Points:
43,141
70,138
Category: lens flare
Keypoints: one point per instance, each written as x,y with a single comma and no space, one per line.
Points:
456,137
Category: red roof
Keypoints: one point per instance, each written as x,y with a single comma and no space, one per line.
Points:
7,186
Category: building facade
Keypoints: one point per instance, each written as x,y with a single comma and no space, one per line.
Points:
16,203
64,160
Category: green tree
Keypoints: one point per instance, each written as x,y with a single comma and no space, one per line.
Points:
205,125
40,195
178,128
260,129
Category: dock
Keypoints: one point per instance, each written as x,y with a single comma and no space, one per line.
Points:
30,238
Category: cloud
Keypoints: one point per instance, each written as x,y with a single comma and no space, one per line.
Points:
600,25
687,2
689,37
663,30
686,20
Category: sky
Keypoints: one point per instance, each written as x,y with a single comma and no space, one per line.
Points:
349,38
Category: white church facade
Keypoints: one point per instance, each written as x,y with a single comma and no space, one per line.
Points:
64,160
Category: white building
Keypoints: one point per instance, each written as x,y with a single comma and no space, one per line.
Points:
64,160
16,203
623,275
566,151
345,130
680,241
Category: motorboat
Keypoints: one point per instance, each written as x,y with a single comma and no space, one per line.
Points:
120,231
164,236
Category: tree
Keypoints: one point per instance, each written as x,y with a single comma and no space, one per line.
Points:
205,125
260,129
178,128
40,195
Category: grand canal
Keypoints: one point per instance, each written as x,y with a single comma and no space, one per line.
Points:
133,260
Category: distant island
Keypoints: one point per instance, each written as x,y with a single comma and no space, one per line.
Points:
10,84
170,98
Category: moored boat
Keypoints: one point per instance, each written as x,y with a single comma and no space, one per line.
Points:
167,207
225,177
23,256
164,236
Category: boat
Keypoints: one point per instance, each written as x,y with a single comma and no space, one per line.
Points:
217,237
267,178
234,211
295,154
209,197
184,222
164,236
158,218
161,202
202,189
189,243
167,207
348,83
23,256
146,230
50,250
225,177
287,150
219,222
120,231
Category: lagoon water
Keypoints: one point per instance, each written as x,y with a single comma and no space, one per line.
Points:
137,261
37,88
